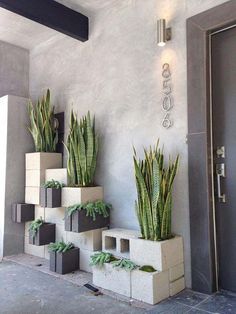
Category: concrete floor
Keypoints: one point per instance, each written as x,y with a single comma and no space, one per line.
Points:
27,291
34,289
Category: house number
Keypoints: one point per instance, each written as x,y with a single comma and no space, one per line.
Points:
167,104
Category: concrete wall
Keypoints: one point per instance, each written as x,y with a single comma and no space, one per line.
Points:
117,75
14,70
17,141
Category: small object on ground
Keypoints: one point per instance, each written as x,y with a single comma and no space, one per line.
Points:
95,291
38,265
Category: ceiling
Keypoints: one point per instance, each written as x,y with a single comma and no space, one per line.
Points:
25,33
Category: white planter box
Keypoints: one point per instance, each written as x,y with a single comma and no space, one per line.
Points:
71,196
42,161
34,178
89,240
84,260
32,195
177,286
162,255
176,272
117,241
113,279
150,287
57,175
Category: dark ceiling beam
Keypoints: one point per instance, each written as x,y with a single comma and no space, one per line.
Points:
52,14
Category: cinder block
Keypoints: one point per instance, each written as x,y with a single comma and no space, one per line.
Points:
33,249
176,272
57,175
161,255
55,215
149,287
117,241
113,279
85,260
72,196
43,161
89,240
177,286
34,178
32,195
39,212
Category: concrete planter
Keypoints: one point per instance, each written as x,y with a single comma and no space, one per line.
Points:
162,255
71,195
22,212
45,235
113,279
43,161
50,197
64,263
79,222
150,287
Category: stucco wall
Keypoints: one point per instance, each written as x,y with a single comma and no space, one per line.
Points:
117,76
14,70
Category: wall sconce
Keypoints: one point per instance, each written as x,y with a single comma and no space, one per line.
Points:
163,33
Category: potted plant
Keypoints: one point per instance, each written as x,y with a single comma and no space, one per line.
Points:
22,212
41,233
158,246
82,149
45,137
88,216
64,257
50,194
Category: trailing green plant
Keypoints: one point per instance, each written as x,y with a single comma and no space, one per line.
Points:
60,247
82,149
53,184
92,209
100,258
35,225
154,184
42,127
147,268
125,264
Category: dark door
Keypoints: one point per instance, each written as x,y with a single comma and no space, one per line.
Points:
224,146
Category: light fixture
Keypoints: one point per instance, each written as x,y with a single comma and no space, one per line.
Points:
163,33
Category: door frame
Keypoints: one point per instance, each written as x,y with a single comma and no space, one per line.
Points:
200,153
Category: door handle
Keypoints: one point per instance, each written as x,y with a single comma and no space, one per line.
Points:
220,172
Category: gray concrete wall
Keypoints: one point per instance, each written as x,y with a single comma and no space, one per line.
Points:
13,124
14,70
117,76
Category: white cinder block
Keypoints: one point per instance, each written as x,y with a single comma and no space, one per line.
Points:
57,175
84,260
32,195
55,215
176,272
33,249
161,255
43,161
113,279
117,241
71,196
34,178
46,253
89,240
177,286
149,287
61,234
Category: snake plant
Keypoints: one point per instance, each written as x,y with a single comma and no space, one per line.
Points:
42,127
92,209
154,182
82,149
60,247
